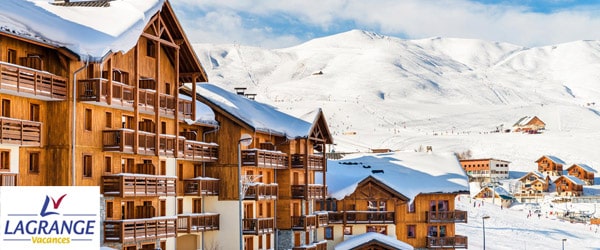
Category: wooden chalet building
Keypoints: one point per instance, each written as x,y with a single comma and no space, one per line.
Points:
373,193
533,186
485,169
495,195
567,185
550,165
529,124
278,171
583,172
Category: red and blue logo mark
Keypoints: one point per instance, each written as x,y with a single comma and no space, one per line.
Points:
55,205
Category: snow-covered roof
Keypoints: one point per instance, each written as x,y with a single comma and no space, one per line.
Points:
362,239
261,117
204,114
90,32
408,173
572,179
524,121
536,173
585,167
553,159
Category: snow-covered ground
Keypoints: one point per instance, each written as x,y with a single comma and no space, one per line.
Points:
447,93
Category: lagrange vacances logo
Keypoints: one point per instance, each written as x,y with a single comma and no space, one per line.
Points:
49,218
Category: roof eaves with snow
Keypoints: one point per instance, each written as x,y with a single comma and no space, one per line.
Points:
584,167
553,159
571,178
355,242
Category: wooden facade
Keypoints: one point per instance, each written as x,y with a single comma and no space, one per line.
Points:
529,124
550,165
536,181
583,172
567,185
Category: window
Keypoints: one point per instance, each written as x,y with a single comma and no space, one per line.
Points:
410,231
34,162
109,209
163,127
4,160
108,120
150,48
180,206
34,112
197,170
11,56
5,107
167,88
108,164
196,205
411,207
377,229
329,233
433,231
163,207
347,230
88,119
87,166
180,172
163,168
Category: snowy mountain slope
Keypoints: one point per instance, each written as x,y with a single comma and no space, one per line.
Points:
385,92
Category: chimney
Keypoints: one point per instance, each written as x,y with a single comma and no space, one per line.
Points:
240,90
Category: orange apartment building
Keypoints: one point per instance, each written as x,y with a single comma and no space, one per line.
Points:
550,165
485,169
374,193
567,185
583,172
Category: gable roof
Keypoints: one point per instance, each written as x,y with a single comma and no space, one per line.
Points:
409,173
584,167
499,191
553,159
537,174
525,120
365,239
570,178
256,116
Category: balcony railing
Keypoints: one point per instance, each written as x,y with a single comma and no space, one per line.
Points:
167,144
194,223
134,185
362,217
8,179
167,104
315,162
146,100
32,82
137,230
321,245
447,242
185,109
264,158
311,191
260,191
199,151
20,132
258,226
146,143
201,186
304,222
322,219
456,216
120,140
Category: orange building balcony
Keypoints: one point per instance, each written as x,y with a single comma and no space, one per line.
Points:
97,90
146,100
201,186
311,191
447,242
185,109
261,191
456,216
138,230
30,82
304,222
138,185
258,226
362,217
167,104
198,151
20,132
322,219
264,159
8,179
314,162
121,140
195,223
321,245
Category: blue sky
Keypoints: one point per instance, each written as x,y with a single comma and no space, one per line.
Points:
280,24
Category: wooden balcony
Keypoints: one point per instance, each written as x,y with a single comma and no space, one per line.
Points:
322,219
304,222
146,143
456,216
20,132
201,186
264,159
138,185
321,245
362,217
447,242
195,223
96,90
121,140
260,191
167,144
307,192
146,100
198,151
8,179
138,230
185,109
315,162
258,226
30,82
167,104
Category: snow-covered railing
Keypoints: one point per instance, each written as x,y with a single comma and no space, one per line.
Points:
456,216
138,185
261,191
8,179
361,217
199,151
20,132
146,143
185,109
265,158
315,162
167,104
312,191
457,241
193,223
304,222
138,230
258,226
146,100
30,81
201,186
